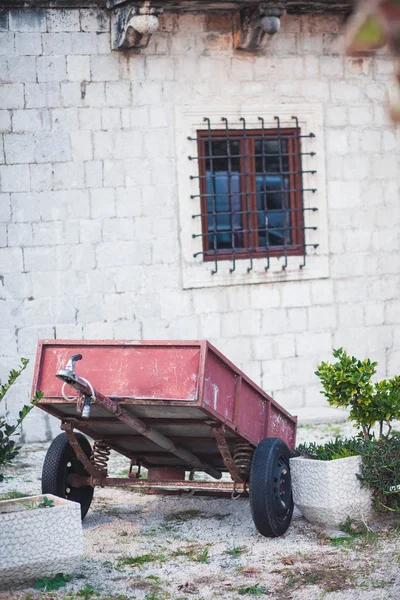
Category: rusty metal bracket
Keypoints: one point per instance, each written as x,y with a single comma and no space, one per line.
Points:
237,493
219,433
80,454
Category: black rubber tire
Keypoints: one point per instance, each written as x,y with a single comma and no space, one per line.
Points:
271,497
59,462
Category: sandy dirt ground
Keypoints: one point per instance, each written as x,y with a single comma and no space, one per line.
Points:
192,548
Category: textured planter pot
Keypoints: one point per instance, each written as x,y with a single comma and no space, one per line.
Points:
327,492
39,542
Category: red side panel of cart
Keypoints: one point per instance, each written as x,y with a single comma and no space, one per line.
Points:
182,388
127,370
238,402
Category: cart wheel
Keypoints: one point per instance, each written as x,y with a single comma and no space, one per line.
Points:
271,498
59,462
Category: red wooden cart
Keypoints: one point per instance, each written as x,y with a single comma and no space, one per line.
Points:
172,407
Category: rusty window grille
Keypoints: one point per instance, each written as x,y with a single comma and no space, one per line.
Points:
251,193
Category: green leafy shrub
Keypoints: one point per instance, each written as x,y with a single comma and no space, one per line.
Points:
380,471
347,383
332,450
8,446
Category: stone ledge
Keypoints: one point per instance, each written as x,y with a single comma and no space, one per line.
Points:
291,6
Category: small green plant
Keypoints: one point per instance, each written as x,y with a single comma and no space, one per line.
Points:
331,450
202,557
46,503
52,583
138,561
194,552
347,383
88,592
236,551
8,447
358,535
253,590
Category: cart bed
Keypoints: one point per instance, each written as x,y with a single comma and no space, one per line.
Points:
180,388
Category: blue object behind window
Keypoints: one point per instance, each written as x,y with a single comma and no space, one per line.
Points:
224,189
271,215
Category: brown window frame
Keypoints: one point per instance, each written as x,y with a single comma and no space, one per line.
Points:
249,197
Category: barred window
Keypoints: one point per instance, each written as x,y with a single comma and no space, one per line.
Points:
251,192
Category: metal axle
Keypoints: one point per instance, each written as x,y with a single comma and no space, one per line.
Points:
77,481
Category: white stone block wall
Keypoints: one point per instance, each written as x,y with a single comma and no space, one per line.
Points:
89,244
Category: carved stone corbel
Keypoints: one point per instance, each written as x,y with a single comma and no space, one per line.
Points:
132,27
257,25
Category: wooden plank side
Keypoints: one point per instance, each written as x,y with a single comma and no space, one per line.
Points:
143,371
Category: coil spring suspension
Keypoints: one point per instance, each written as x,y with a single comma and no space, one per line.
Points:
242,457
100,456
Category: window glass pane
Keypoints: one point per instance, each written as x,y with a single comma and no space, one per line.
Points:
225,221
272,184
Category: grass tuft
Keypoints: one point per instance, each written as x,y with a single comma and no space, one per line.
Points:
253,590
88,592
138,561
360,535
194,552
236,551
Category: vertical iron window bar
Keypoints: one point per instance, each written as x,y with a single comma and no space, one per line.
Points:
286,226
213,195
247,195
255,207
299,171
228,147
264,196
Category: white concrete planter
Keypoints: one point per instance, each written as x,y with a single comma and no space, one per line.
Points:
327,492
39,542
